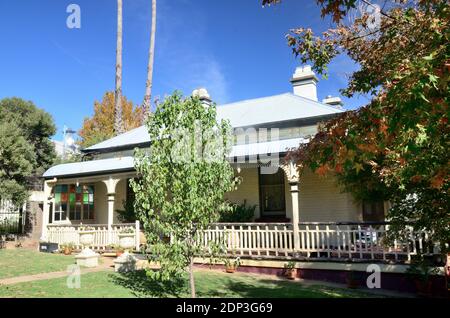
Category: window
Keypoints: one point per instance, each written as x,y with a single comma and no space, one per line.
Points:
60,202
271,193
77,202
373,211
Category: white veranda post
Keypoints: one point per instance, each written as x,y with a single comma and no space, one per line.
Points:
48,201
292,176
111,193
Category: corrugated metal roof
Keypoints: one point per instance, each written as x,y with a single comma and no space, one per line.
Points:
132,137
272,109
90,167
127,163
241,114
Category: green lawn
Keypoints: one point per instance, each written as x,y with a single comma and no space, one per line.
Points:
19,262
209,284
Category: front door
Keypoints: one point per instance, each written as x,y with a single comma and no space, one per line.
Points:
272,194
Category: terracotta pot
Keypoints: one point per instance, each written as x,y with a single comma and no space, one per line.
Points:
291,273
352,280
67,251
423,288
352,283
230,268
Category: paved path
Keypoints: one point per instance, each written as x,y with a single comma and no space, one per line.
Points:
106,264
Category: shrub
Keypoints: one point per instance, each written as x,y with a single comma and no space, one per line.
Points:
127,215
238,213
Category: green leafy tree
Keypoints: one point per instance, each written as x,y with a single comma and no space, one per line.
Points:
35,125
396,147
17,159
181,181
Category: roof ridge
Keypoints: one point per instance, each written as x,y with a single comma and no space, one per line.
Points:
315,102
252,99
114,137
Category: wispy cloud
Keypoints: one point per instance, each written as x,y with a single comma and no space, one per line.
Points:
182,59
211,76
192,70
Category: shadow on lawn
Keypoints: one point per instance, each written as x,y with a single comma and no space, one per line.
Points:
264,288
141,285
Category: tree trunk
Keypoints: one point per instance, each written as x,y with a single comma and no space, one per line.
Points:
191,278
151,55
118,124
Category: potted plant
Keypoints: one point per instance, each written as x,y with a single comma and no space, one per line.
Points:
86,235
67,248
231,264
290,272
117,249
127,237
352,280
421,271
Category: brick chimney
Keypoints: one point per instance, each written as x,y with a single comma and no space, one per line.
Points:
304,82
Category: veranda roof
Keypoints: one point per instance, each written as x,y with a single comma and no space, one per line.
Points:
90,167
115,165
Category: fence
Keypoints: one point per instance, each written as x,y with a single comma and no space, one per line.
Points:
10,218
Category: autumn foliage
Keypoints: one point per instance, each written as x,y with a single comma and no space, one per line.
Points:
100,126
396,148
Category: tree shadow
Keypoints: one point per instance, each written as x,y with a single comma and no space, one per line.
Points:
227,286
267,288
142,285
262,289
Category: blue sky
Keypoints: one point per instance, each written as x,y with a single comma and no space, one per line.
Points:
234,48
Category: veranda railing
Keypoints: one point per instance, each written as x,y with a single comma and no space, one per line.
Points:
333,241
103,237
361,241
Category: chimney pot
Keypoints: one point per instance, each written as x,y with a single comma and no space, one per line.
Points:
304,82
333,101
203,95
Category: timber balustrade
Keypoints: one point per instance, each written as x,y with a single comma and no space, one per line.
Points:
103,238
343,241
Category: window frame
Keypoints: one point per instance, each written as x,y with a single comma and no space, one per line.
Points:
68,212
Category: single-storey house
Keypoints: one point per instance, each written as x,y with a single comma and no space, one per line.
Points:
91,192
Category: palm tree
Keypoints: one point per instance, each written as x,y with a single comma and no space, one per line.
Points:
151,55
118,125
